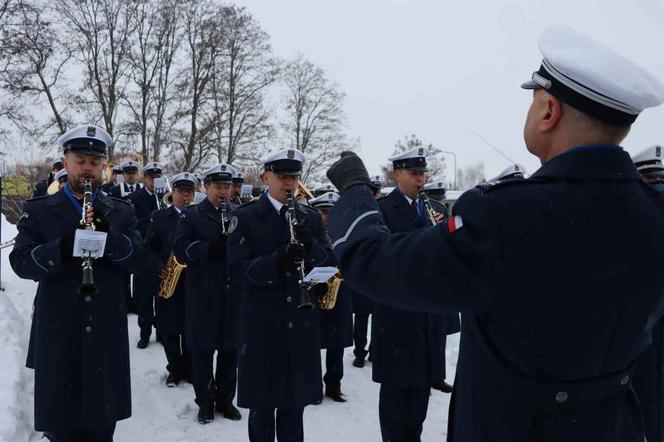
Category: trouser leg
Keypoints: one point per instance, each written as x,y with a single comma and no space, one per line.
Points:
290,427
201,361
261,425
334,367
360,328
226,377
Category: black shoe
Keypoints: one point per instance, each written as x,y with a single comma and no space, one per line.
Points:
229,411
317,402
442,386
358,362
172,380
206,414
335,394
142,343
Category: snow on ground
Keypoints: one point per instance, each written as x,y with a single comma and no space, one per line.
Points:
162,414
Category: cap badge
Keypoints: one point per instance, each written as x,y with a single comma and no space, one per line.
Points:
92,131
658,151
223,167
420,151
290,154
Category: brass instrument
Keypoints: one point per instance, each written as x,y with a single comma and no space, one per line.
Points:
6,244
427,205
159,195
53,187
329,299
302,194
87,287
305,300
173,269
167,199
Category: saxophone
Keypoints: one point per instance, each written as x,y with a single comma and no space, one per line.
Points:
329,299
173,270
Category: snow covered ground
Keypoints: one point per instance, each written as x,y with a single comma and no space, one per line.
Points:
162,414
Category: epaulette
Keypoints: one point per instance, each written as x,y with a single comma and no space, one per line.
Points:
120,200
248,203
159,213
492,186
37,198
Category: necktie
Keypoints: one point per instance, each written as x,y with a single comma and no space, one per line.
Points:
420,213
131,187
282,214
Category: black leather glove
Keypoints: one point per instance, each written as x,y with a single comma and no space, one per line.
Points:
101,223
67,244
218,247
289,255
303,234
348,171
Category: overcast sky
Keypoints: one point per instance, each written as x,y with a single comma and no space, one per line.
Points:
442,69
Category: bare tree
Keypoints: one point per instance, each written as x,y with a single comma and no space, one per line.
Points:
470,176
100,37
153,46
33,61
251,70
191,137
6,9
314,115
435,159
170,25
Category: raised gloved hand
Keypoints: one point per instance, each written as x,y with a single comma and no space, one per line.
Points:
303,235
101,223
289,255
348,171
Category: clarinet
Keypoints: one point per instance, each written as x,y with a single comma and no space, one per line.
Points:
427,205
87,287
305,300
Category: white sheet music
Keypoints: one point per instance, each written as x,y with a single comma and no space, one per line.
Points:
319,275
89,243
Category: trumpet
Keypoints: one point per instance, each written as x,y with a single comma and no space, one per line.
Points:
305,300
431,213
87,287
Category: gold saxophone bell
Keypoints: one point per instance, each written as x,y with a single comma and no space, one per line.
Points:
329,299
173,269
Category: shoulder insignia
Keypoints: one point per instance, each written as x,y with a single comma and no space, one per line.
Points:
120,200
233,224
490,187
24,215
37,198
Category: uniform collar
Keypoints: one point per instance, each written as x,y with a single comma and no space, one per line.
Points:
603,162
275,203
409,200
